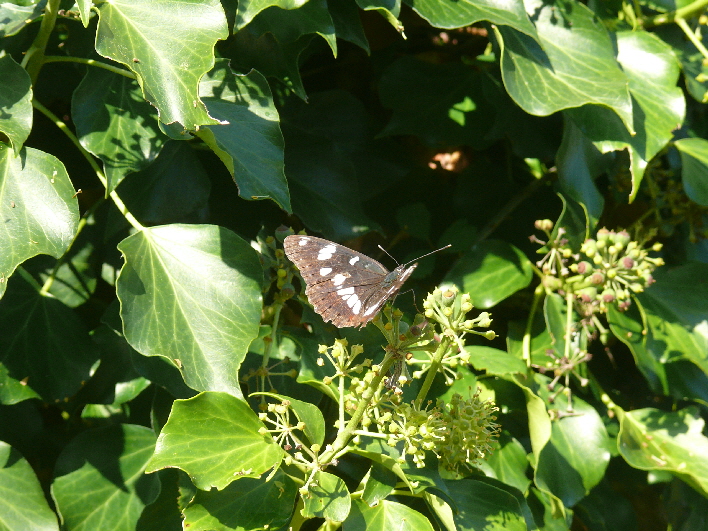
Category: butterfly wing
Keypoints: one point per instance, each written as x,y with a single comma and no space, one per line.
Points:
345,287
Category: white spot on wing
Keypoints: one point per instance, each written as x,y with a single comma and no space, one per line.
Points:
369,311
338,279
345,297
325,271
356,308
354,260
346,291
303,241
326,252
352,300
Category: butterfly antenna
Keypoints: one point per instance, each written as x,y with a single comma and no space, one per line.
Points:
389,254
428,254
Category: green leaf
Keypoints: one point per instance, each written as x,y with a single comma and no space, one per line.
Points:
494,361
114,123
386,515
100,480
388,9
578,162
22,505
490,272
577,454
543,78
554,312
457,14
310,414
694,161
44,344
245,504
509,463
605,508
14,17
442,104
15,101
214,438
249,141
169,46
629,328
540,340
327,498
347,23
38,208
676,307
174,188
650,439
379,484
262,52
192,293
246,11
289,25
483,506
659,106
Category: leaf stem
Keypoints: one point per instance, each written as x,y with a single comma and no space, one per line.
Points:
691,10
92,162
435,365
347,433
526,342
568,324
681,22
34,58
90,62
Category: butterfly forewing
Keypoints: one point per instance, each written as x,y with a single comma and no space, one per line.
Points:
344,286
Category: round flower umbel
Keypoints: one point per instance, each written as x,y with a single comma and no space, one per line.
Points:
615,268
460,433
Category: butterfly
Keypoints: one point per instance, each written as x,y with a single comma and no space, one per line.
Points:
345,287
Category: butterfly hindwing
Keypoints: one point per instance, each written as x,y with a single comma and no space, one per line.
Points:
344,286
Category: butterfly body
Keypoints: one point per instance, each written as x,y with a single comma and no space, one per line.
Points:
345,287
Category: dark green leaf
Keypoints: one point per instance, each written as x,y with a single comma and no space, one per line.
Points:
386,515
214,438
490,272
694,159
483,506
107,466
15,100
114,123
22,504
249,142
328,498
494,361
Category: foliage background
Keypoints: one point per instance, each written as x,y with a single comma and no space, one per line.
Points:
128,278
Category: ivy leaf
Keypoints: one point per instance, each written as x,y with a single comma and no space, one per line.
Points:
14,17
576,456
106,465
44,345
169,46
508,462
23,497
386,514
453,14
694,173
245,504
192,293
494,361
38,208
484,506
214,438
247,11
114,123
15,102
659,106
490,272
543,78
249,142
650,439
329,498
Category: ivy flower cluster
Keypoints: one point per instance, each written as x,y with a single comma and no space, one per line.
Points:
607,270
460,433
